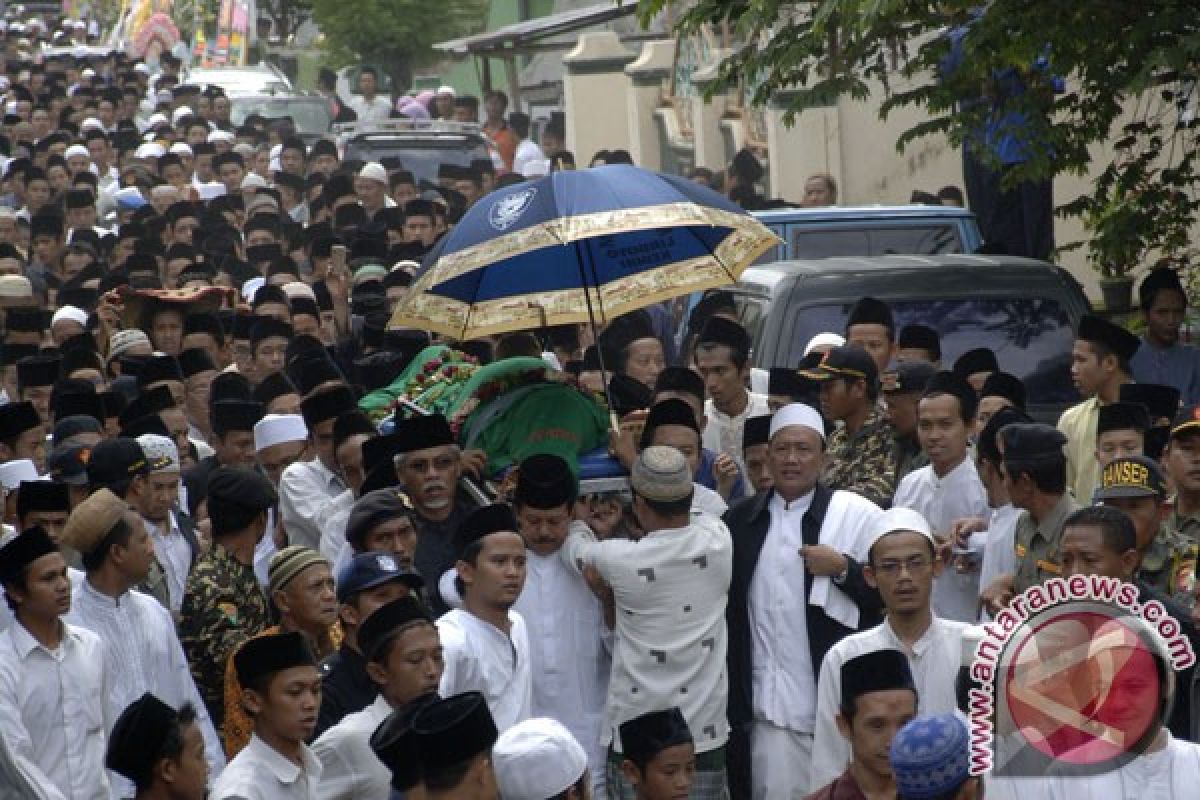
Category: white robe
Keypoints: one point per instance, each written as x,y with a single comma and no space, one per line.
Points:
480,657
1172,773
957,495
570,653
350,769
142,654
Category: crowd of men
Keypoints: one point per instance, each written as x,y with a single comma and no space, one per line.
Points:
221,579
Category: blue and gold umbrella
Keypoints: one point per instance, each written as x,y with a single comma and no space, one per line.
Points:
579,246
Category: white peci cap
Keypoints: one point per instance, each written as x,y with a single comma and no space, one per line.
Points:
824,340
276,429
536,759
72,313
898,519
797,414
373,171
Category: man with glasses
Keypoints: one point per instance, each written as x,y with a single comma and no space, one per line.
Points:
902,563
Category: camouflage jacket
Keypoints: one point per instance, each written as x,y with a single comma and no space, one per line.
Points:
222,607
864,463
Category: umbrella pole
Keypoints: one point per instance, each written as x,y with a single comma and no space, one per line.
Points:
581,255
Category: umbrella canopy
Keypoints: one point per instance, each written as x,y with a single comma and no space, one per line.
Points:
576,246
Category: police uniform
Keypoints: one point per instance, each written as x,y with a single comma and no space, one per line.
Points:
1037,541
223,604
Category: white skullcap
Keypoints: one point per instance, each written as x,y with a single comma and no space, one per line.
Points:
373,171
125,340
180,149
180,113
276,150
88,73
253,181
208,191
91,123
149,150
77,150
161,453
797,414
71,313
142,68
536,759
13,472
251,286
221,136
157,118
296,289
447,90
276,429
274,165
824,340
897,519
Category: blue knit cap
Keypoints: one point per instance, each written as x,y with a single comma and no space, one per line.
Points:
929,757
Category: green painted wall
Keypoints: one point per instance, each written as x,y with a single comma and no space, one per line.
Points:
466,76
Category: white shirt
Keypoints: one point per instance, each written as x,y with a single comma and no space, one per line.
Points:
723,433
957,495
1000,547
934,660
707,501
52,712
570,651
260,772
480,657
379,108
671,588
175,555
349,768
1171,773
783,676
527,153
303,489
142,654
331,520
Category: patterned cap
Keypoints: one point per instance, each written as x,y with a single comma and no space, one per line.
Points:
929,757
161,452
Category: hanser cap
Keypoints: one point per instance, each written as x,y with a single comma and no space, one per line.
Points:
662,474
1186,421
545,481
115,461
262,656
1131,476
848,361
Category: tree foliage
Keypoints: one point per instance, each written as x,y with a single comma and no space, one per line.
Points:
1130,71
397,34
288,15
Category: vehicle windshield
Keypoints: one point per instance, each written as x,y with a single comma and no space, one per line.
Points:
926,240
240,81
421,157
1031,336
311,115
